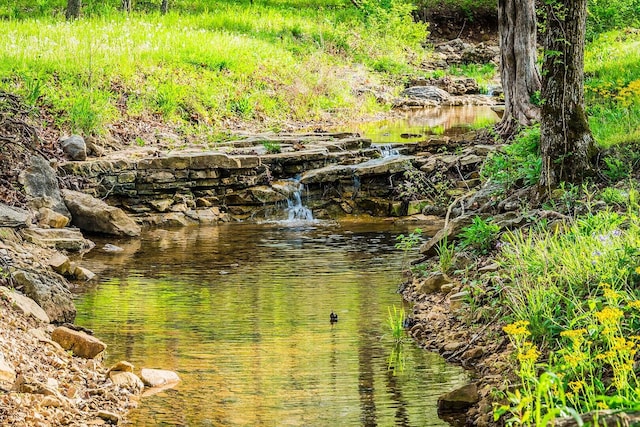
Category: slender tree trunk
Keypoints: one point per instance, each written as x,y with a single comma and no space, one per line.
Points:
73,9
164,7
565,138
126,6
518,71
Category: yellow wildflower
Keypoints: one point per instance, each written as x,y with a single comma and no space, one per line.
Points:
634,304
576,386
609,315
575,335
517,329
638,269
602,406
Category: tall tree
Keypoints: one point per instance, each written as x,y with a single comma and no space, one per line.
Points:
73,9
565,138
126,6
164,7
518,71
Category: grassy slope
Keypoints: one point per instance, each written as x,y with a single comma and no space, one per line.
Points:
229,65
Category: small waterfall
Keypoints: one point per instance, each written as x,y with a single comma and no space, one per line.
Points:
387,150
296,211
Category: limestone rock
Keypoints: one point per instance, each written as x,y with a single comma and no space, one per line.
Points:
127,380
49,218
7,375
74,147
460,399
25,304
108,247
94,215
41,186
13,217
432,283
80,343
26,384
50,291
158,377
82,273
429,93
69,239
383,166
109,417
122,366
60,263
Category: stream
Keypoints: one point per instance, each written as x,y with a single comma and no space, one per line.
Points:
241,312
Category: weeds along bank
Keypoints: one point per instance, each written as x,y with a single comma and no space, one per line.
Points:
207,66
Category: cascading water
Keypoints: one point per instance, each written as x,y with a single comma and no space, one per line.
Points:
296,211
387,150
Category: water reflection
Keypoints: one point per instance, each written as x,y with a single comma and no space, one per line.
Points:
254,345
414,125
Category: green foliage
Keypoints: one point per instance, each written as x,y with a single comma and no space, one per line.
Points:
204,65
612,87
272,147
446,252
480,235
519,164
605,15
620,197
481,73
407,243
616,169
395,321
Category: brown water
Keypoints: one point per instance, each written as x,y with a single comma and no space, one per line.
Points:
241,312
417,124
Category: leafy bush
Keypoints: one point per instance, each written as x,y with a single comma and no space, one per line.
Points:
520,164
604,15
480,235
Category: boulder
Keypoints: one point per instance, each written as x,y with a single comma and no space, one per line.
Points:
127,380
68,239
50,291
432,283
383,166
158,377
122,366
459,400
13,217
74,147
82,273
7,375
109,417
41,186
60,263
429,93
94,215
80,343
25,304
49,218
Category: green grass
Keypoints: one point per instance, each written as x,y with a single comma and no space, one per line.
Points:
612,87
208,64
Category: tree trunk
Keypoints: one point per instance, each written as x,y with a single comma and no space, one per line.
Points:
73,9
519,74
126,6
164,7
565,138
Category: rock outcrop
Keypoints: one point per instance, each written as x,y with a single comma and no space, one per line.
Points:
94,215
41,186
78,342
50,291
74,147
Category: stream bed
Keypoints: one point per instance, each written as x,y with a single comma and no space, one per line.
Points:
241,312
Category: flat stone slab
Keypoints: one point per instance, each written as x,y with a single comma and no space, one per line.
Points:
158,377
13,217
69,239
80,343
25,304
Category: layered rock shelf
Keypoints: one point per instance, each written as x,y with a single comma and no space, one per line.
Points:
341,174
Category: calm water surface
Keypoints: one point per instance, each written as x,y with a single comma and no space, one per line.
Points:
241,312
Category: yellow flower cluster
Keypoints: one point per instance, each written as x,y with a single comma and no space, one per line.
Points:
629,93
575,335
634,304
609,316
517,329
528,354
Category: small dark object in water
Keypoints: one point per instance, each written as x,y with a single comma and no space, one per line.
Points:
333,318
410,135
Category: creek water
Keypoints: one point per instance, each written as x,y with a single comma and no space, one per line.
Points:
241,312
416,125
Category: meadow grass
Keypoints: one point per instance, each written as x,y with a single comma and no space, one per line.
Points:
264,64
612,87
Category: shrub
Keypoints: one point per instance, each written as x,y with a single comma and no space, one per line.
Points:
480,235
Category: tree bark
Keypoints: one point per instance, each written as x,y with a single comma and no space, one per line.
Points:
518,72
164,7
565,138
73,9
126,6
